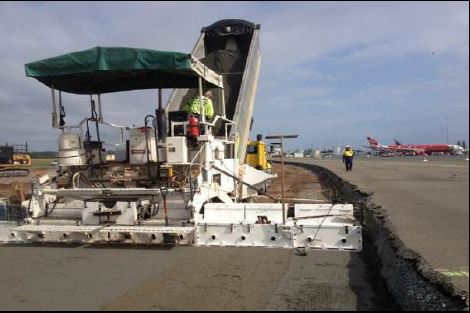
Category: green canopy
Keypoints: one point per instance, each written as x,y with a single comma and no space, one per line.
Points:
111,69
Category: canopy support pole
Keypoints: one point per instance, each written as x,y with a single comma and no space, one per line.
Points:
55,122
222,101
160,119
160,105
100,112
201,103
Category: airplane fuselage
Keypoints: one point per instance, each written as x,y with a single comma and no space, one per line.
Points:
423,148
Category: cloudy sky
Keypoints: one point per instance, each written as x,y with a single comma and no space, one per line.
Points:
333,73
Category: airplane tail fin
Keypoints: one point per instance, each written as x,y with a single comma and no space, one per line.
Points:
373,142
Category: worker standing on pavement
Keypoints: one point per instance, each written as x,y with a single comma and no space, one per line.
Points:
348,154
194,106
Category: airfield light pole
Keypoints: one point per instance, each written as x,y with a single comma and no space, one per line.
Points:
282,171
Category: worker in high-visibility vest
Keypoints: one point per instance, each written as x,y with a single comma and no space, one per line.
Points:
348,154
194,106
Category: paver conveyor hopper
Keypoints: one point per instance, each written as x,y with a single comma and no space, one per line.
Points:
230,48
172,184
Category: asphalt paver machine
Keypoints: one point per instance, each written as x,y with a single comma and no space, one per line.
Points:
179,180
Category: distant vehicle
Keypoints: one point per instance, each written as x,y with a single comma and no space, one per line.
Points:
275,149
257,154
55,162
414,149
110,157
14,160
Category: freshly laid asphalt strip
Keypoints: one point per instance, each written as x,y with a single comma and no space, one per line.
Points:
66,277
421,195
427,201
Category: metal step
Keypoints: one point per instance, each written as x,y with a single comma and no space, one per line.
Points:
107,213
10,172
107,222
57,228
149,229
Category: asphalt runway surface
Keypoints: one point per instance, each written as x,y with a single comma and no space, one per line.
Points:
427,201
51,277
181,278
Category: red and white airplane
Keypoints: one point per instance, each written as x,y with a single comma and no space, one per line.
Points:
421,149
